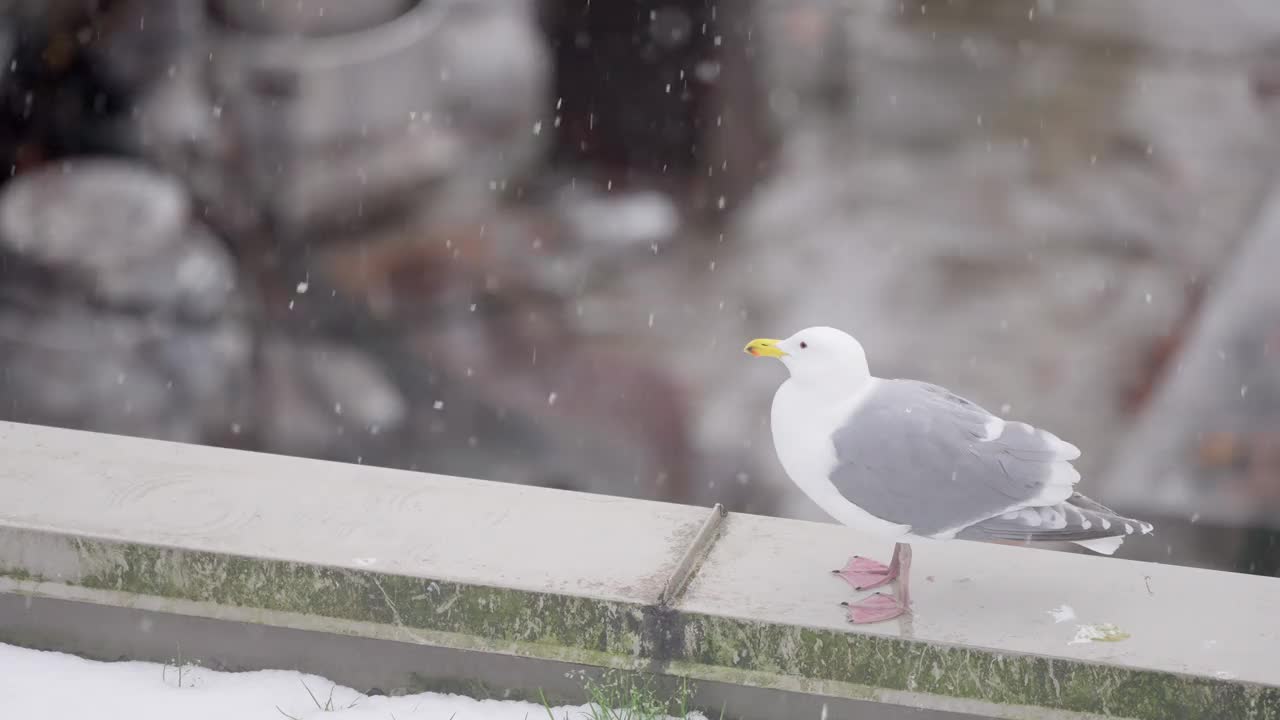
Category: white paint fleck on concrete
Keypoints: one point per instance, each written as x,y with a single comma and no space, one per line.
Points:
1063,613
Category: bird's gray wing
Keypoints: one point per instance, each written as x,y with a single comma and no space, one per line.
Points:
919,455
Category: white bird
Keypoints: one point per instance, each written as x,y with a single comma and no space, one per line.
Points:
909,461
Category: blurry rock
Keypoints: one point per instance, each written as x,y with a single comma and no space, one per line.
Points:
177,127
134,42
91,216
311,17
323,399
320,121
426,271
615,423
429,267
64,366
620,221
304,107
117,312
494,89
499,378
118,235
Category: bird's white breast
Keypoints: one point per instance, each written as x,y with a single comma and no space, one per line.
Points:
802,425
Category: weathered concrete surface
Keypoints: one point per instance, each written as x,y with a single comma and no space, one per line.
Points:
537,573
983,629
219,508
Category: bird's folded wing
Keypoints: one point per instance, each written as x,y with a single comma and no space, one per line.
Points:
915,454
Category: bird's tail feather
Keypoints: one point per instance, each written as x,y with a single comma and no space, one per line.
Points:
1079,519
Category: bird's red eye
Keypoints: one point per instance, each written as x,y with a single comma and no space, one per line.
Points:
803,344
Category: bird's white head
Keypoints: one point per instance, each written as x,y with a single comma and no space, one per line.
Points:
818,355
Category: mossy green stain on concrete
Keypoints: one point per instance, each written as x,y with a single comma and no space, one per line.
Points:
17,573
604,633
890,663
492,613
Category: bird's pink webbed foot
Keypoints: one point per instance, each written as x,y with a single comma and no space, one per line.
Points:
876,607
864,573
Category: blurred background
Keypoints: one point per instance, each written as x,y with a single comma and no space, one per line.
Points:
526,240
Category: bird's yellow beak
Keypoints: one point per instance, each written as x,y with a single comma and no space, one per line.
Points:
764,347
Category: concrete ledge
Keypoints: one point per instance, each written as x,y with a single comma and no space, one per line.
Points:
524,572
375,665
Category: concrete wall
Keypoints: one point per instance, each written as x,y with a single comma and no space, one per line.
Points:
734,601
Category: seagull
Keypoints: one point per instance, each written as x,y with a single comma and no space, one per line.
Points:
912,462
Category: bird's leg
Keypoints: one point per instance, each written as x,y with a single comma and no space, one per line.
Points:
865,573
878,606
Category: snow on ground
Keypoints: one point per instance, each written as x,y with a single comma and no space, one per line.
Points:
39,685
